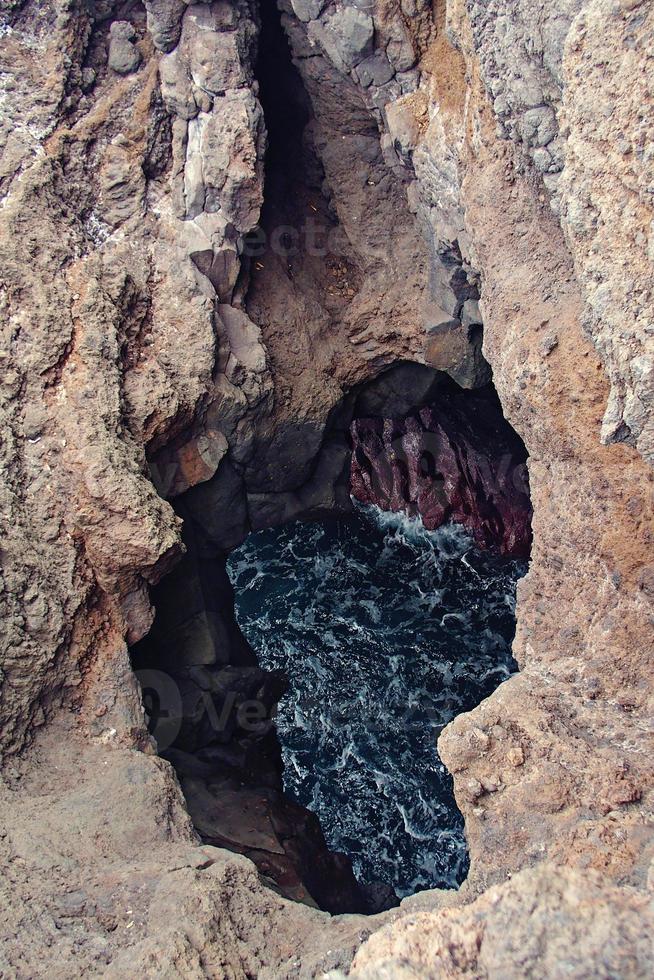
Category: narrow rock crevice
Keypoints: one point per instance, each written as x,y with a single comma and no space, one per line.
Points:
212,708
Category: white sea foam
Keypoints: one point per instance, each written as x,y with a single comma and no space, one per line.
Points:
386,630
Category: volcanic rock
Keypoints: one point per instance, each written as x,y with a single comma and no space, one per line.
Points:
450,461
124,57
524,186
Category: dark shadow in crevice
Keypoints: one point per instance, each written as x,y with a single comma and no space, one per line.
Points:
299,248
210,704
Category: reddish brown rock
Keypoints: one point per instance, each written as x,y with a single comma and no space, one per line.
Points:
456,460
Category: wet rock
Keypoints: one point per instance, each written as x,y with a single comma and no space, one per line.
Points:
238,819
325,493
195,622
440,464
379,897
284,841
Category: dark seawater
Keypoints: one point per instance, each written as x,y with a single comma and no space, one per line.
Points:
386,632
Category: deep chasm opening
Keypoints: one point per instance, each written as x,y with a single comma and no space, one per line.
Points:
386,631
298,677
390,621
301,701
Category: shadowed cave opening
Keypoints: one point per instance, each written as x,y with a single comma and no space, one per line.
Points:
300,702
367,562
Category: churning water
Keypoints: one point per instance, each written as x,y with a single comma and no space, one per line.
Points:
386,631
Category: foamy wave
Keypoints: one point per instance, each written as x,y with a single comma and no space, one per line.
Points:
386,631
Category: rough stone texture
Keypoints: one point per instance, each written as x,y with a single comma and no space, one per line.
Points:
545,923
520,51
449,461
87,894
571,635
606,203
115,367
114,252
345,35
570,82
164,20
124,57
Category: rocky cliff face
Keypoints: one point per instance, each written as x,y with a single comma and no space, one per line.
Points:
475,165
452,460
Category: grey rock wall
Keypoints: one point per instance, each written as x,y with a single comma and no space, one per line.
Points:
520,50
606,192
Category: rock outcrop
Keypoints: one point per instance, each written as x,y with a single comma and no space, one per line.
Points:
452,460
596,924
481,181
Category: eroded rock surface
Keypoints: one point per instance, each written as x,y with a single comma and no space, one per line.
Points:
596,924
485,165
